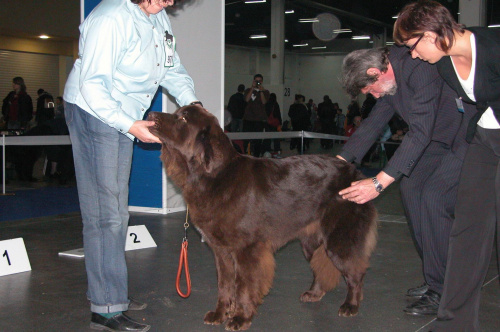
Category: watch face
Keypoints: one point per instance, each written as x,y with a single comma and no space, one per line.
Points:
378,187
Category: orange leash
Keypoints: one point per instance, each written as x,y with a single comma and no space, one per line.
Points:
183,261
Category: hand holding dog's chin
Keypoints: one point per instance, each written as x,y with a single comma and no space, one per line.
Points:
140,129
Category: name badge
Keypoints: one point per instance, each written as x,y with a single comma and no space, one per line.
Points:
169,42
460,105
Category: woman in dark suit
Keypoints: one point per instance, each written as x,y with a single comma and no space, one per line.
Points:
469,61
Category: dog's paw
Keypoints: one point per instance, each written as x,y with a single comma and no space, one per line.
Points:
348,310
238,323
214,318
311,296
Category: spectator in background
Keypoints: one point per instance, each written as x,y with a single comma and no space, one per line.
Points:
236,106
274,122
255,117
59,110
352,112
44,107
299,116
367,106
326,115
339,124
356,122
17,107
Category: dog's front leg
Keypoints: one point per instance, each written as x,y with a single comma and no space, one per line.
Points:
254,277
226,289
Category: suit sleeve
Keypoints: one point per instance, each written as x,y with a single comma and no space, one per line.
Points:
371,128
424,87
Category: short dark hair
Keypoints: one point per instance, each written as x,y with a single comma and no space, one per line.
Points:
418,17
258,75
241,88
40,91
355,66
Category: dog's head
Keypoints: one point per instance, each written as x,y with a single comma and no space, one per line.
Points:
196,135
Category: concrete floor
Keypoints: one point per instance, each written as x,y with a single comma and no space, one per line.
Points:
51,297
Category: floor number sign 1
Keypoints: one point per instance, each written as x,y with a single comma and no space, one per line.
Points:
14,258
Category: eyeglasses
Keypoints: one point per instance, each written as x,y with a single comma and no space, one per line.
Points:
415,45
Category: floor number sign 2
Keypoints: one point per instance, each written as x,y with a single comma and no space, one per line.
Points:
138,237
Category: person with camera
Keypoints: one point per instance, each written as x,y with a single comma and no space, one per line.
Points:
255,117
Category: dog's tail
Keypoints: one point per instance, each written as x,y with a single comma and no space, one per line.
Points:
325,273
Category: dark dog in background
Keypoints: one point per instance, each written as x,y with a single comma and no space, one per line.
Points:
246,208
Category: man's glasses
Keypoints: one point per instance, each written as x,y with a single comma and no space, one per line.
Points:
415,45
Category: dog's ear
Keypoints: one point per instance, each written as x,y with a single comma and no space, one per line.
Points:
205,151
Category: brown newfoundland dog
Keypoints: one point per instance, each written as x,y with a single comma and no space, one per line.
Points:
246,208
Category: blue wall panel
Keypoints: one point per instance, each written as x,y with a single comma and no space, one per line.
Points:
89,5
146,175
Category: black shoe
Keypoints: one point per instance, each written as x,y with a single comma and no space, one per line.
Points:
136,305
418,291
120,322
428,304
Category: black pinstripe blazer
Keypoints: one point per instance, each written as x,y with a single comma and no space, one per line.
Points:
487,77
425,102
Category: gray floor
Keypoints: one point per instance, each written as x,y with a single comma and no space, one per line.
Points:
51,297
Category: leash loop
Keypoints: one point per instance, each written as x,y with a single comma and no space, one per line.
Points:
183,261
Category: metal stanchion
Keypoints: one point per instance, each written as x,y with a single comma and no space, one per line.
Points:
3,169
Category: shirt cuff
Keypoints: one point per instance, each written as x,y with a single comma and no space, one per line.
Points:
347,156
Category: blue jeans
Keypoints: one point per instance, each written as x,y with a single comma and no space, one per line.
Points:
103,159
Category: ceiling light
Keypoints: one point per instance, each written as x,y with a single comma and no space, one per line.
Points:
301,45
494,26
258,36
395,17
317,47
290,11
342,30
308,20
286,40
44,37
255,1
360,37
389,43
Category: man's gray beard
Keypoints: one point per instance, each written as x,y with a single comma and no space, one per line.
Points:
390,88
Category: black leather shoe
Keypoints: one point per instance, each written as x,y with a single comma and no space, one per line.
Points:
120,322
428,304
418,291
136,305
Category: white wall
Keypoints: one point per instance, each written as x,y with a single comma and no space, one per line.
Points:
201,48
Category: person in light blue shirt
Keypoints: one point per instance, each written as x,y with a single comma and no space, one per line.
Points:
126,52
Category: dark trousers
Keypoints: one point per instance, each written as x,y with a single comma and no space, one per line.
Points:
255,144
472,235
429,197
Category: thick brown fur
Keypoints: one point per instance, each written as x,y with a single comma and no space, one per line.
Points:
246,208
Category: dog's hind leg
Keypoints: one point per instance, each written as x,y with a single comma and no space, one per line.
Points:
326,275
254,276
226,288
349,249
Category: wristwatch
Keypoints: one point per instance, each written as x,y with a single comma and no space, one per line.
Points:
378,187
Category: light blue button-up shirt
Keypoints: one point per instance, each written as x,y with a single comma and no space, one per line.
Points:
121,64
